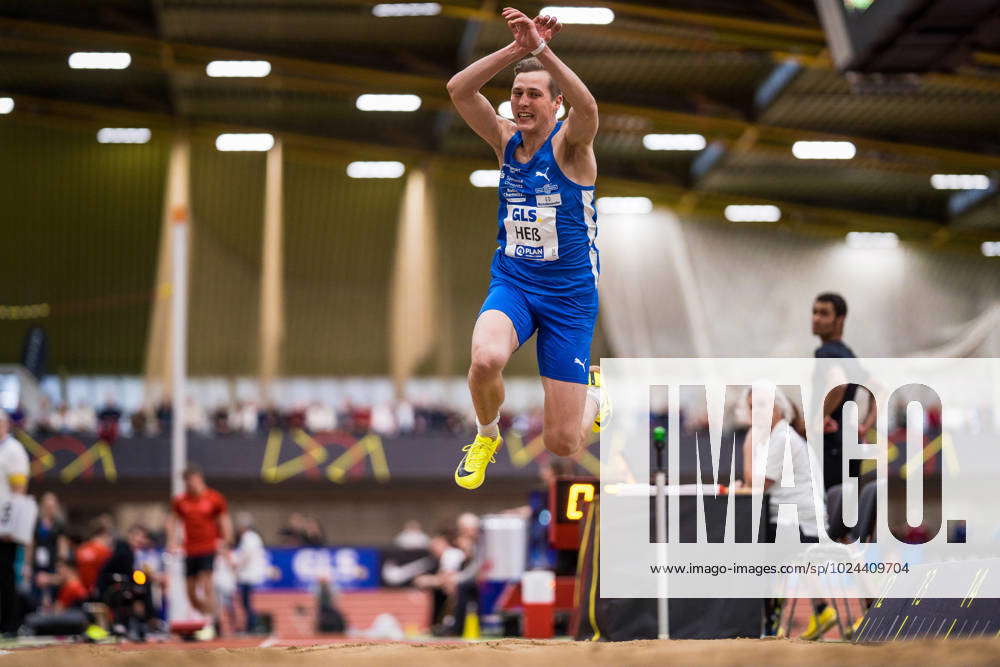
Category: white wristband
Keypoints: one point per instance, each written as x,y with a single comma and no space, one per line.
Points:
540,48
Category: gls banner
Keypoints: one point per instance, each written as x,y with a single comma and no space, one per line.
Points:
906,451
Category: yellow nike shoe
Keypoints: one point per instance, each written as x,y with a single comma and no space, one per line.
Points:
604,414
853,630
471,470
820,624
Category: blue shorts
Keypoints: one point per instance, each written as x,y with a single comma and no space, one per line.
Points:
565,326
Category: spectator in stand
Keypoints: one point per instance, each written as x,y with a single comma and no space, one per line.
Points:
313,535
251,563
196,416
42,423
51,545
59,421
269,418
412,536
221,424
383,420
140,423
71,591
320,417
107,420
293,532
18,417
94,553
361,419
296,418
165,415
204,516
405,417
83,419
245,417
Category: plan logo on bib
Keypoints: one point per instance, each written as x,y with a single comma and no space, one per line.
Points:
529,252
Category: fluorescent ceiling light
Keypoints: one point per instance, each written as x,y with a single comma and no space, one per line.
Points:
6,105
375,169
244,142
960,182
391,9
624,205
485,178
752,213
242,68
673,142
504,110
872,240
369,102
823,150
584,15
123,135
991,248
95,60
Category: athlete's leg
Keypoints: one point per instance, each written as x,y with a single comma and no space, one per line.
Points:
565,330
569,415
207,592
493,341
192,591
504,323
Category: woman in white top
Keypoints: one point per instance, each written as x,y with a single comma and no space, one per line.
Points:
770,466
251,565
766,457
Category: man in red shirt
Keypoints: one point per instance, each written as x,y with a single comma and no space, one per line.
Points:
92,554
72,592
207,530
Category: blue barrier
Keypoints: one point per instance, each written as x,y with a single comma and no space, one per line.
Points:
349,568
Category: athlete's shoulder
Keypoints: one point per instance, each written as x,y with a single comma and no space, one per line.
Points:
507,133
577,162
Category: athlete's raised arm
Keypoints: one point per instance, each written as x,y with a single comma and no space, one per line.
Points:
473,106
581,124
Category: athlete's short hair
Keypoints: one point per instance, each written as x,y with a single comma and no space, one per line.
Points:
191,470
839,305
535,65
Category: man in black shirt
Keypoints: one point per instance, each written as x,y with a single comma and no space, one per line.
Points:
828,314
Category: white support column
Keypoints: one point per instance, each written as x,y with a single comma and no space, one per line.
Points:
179,196
272,311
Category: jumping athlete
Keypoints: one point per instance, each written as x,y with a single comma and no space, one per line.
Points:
545,268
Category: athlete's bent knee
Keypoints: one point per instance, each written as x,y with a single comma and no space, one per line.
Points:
562,442
486,362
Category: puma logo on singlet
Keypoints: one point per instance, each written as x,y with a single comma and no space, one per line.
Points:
576,360
543,174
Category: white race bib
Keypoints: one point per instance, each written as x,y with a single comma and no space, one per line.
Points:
17,518
531,233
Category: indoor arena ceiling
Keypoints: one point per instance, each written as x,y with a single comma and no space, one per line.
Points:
751,76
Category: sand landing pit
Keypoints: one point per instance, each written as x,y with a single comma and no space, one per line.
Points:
524,653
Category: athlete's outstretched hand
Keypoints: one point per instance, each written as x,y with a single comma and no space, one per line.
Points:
548,27
526,34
